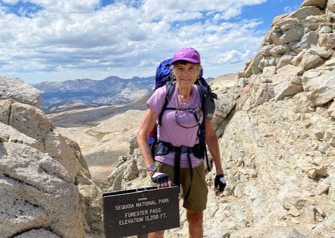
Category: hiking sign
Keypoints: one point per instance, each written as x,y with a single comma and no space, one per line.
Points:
140,211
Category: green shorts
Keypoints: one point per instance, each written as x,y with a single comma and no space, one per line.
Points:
197,199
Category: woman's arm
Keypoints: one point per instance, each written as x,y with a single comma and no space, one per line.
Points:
147,125
213,146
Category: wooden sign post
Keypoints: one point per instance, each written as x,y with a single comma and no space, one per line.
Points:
140,211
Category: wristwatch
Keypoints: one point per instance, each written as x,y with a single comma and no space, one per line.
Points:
152,168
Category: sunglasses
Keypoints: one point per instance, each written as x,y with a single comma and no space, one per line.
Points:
194,111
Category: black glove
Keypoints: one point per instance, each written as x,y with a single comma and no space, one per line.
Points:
159,178
220,182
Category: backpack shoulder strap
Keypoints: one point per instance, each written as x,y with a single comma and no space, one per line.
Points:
206,95
170,87
207,98
202,89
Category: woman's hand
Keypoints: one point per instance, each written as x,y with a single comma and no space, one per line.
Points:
219,184
162,179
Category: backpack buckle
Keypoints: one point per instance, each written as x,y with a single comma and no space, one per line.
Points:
184,149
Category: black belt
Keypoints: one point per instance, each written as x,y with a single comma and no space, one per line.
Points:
163,148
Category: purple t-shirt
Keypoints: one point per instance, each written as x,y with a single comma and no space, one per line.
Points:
170,131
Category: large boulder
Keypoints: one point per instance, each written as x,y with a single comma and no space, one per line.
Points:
19,91
45,185
37,191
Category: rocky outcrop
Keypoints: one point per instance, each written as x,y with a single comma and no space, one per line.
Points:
45,186
295,56
277,145
17,90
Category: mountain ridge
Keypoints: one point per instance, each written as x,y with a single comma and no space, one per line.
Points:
109,91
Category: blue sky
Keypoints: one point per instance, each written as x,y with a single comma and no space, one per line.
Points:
48,40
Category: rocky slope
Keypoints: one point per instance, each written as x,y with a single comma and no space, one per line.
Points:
45,185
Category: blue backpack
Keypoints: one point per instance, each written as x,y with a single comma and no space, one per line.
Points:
164,78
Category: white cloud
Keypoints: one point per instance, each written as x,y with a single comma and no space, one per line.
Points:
10,1
234,56
78,38
289,9
66,5
230,13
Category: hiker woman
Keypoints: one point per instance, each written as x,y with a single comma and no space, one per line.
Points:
179,154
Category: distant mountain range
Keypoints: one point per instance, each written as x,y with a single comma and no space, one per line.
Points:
62,96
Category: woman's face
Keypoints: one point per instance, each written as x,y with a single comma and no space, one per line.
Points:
186,73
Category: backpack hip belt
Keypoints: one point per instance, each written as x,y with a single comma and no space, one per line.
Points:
163,148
